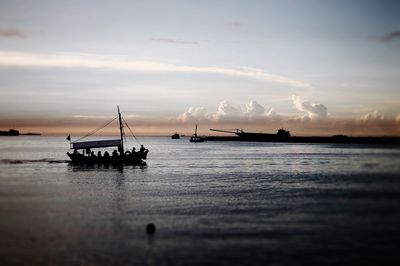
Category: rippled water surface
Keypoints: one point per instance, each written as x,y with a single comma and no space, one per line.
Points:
212,203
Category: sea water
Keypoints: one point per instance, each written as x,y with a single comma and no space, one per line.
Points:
225,203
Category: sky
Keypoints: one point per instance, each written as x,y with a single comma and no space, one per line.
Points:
314,67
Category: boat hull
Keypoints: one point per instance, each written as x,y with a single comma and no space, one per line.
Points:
126,159
196,139
293,139
175,136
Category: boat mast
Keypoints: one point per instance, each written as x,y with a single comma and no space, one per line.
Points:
121,130
195,132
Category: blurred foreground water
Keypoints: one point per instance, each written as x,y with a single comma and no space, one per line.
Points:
225,203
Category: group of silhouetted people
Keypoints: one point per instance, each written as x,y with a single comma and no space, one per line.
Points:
141,151
116,156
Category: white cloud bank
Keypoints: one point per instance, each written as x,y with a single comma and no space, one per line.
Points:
254,111
227,112
17,59
373,116
310,110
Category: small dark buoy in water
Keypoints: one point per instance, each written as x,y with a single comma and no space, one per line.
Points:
150,229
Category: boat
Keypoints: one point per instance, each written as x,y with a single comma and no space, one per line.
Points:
10,132
196,138
175,136
31,134
280,135
119,156
283,135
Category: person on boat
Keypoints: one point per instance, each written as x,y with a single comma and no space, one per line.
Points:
92,154
143,150
99,154
134,153
106,157
76,151
114,154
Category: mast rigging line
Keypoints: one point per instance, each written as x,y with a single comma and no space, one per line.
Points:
130,130
96,130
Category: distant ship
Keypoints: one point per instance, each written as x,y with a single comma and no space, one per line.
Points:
31,134
283,135
13,132
10,132
175,136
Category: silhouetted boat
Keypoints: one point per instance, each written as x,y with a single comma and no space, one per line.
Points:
13,132
175,136
31,134
284,136
10,132
196,138
281,135
119,156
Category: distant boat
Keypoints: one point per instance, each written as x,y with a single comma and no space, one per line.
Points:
10,132
118,156
196,138
281,135
31,134
175,136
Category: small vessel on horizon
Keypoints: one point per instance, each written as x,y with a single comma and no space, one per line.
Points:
175,136
31,134
196,138
10,132
14,132
119,156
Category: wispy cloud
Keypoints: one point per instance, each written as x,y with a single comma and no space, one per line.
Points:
390,36
11,33
16,59
173,41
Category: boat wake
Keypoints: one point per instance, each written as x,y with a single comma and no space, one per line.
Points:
45,160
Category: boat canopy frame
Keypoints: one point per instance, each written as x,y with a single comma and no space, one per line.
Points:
96,144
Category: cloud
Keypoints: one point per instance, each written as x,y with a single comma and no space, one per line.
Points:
311,110
11,33
373,116
390,36
173,41
227,112
195,114
253,109
16,59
